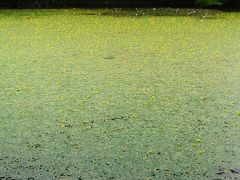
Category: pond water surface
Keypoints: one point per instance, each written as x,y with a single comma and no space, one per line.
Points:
119,94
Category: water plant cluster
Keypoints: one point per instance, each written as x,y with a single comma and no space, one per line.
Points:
86,94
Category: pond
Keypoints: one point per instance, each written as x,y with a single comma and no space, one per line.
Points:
119,94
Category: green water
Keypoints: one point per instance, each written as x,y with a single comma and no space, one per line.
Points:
91,94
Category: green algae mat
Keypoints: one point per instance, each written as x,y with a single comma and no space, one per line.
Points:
119,94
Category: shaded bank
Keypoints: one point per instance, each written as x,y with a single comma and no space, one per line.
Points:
115,3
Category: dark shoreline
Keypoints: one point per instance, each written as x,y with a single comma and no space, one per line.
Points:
229,5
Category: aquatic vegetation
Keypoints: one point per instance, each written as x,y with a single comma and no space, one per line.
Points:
209,2
85,94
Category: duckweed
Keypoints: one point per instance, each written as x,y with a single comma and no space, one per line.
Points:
89,96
